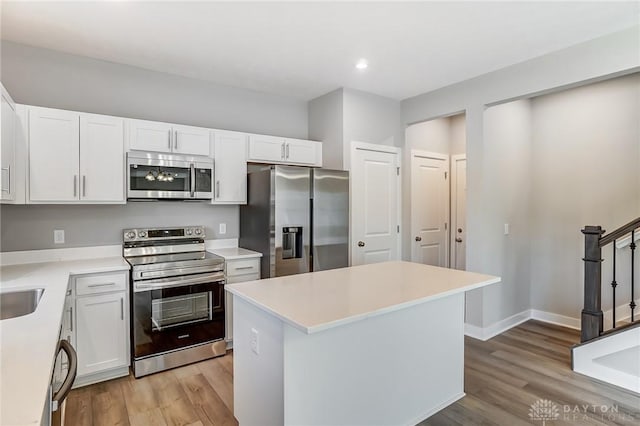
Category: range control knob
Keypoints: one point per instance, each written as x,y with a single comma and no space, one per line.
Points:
142,234
189,231
130,234
198,231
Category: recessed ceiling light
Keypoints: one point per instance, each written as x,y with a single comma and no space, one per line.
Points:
362,64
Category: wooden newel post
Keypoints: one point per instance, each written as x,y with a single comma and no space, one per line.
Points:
591,326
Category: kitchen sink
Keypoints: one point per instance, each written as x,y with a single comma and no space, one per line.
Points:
15,304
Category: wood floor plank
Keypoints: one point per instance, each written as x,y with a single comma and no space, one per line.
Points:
147,418
180,413
220,379
78,410
209,406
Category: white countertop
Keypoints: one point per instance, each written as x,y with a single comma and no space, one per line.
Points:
28,343
318,301
234,253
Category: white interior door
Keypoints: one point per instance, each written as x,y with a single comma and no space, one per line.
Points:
459,211
429,208
374,205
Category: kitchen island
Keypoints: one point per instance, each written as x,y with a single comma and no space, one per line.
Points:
373,344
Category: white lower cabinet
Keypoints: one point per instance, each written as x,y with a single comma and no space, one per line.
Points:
237,271
98,317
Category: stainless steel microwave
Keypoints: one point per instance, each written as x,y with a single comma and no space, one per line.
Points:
170,177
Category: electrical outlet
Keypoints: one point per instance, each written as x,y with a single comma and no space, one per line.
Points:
506,229
223,228
254,341
58,236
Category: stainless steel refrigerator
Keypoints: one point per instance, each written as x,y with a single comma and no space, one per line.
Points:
298,218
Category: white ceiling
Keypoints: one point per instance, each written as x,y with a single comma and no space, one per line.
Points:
304,50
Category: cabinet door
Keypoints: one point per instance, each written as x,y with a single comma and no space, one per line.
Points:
228,308
191,140
230,160
266,149
150,136
54,150
8,144
102,332
101,158
300,151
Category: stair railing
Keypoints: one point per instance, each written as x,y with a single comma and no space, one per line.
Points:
592,318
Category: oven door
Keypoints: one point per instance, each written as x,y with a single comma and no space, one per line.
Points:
158,176
177,312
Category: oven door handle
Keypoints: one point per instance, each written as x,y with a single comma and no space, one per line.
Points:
178,282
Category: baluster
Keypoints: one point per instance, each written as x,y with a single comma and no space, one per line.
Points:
614,284
632,305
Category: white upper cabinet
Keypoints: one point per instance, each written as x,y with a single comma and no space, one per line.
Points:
266,149
8,147
101,158
191,140
166,137
54,151
302,151
271,149
75,157
150,136
230,168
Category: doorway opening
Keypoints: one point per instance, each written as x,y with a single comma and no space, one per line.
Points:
437,191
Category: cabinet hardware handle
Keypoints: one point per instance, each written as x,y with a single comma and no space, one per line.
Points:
75,185
360,243
70,319
122,308
169,139
243,267
217,188
175,140
418,238
84,185
8,169
287,156
100,285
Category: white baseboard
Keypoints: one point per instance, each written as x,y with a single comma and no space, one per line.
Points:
556,319
486,333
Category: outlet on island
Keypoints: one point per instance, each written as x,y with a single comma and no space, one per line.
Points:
58,236
254,341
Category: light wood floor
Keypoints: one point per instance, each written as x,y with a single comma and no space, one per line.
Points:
503,377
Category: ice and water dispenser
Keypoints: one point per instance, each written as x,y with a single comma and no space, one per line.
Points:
292,242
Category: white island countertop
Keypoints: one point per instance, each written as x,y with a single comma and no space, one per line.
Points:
28,343
318,301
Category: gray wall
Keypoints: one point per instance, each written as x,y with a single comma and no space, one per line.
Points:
43,77
597,59
585,171
346,115
326,121
30,227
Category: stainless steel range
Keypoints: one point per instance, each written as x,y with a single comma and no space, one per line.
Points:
177,298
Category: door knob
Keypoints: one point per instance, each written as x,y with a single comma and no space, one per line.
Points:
418,238
360,243
458,240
